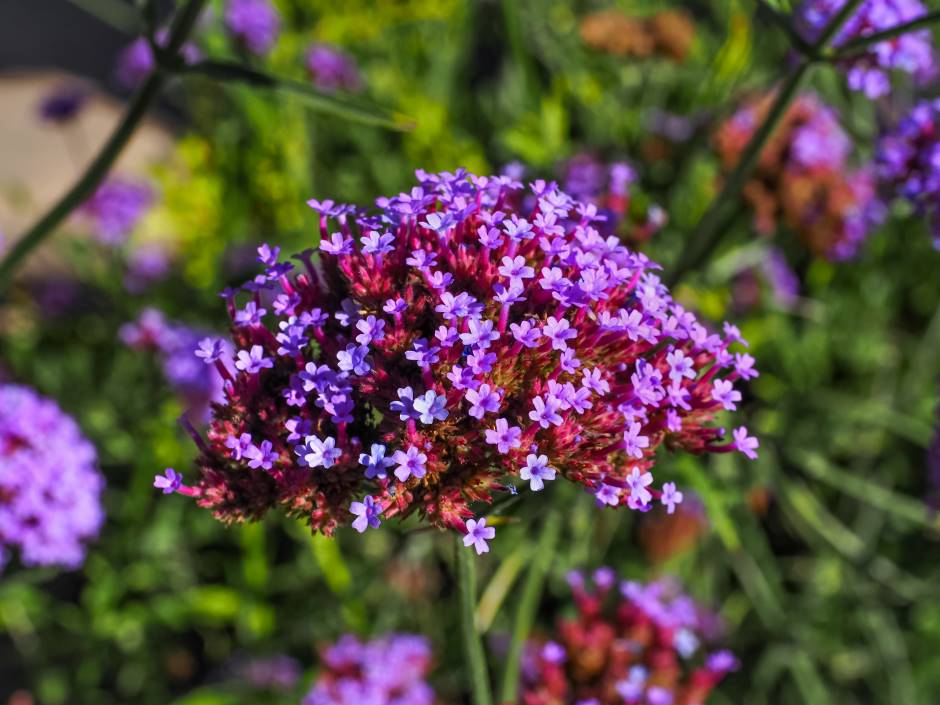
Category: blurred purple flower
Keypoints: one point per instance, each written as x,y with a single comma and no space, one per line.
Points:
63,103
116,208
255,24
137,60
50,490
332,69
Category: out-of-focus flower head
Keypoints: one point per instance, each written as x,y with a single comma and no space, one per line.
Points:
280,673
389,670
803,178
254,24
136,60
147,264
115,209
668,33
180,348
63,103
608,187
332,69
50,489
908,161
869,71
450,346
629,644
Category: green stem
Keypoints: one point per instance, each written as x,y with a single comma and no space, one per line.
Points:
859,44
710,229
784,22
101,165
528,604
474,657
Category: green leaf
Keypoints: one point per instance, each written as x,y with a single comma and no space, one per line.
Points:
231,72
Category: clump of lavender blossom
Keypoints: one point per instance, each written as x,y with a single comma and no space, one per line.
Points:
803,177
137,60
179,346
115,209
63,103
908,161
253,24
450,346
332,69
628,644
50,489
146,264
869,71
389,670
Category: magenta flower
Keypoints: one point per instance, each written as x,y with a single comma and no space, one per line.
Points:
253,24
429,393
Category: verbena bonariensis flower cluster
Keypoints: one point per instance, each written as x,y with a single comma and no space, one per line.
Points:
803,177
253,24
50,489
869,70
115,209
908,161
629,644
198,386
450,346
389,670
136,60
332,69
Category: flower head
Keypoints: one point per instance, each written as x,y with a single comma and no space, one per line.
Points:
254,24
641,645
50,489
116,208
429,395
332,69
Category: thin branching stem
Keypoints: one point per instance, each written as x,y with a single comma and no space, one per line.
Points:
102,163
860,44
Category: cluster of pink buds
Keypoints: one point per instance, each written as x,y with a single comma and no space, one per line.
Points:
452,346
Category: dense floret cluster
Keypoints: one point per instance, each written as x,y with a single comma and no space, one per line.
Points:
50,489
870,70
253,24
628,644
450,347
136,60
803,177
908,161
115,209
390,670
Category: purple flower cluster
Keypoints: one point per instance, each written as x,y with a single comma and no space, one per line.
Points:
908,161
137,59
254,24
180,349
116,208
50,491
332,69
390,670
467,337
869,71
280,673
628,644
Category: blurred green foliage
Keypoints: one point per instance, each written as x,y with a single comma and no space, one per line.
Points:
820,555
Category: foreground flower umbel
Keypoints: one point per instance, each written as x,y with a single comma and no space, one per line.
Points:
447,344
50,490
643,646
389,670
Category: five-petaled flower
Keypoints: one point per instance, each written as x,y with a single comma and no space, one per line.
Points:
478,533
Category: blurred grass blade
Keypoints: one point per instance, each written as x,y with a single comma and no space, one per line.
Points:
865,490
498,588
474,656
123,16
231,72
888,641
807,678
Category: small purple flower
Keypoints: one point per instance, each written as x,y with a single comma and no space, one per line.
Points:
504,436
478,533
210,350
262,456
332,69
638,482
169,481
254,361
367,514
515,269
371,329
634,442
480,335
559,331
670,497
253,23
250,315
320,453
376,462
725,394
337,245
116,208
423,353
353,359
410,463
747,445
431,406
545,411
405,406
606,495
484,399
239,445
536,471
